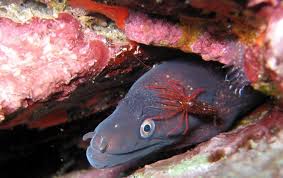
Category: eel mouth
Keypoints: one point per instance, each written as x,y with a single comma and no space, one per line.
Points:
105,160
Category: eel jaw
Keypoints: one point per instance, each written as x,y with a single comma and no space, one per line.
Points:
106,160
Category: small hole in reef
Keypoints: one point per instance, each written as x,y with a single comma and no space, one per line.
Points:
216,156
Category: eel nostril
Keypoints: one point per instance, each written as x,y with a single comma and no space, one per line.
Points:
100,143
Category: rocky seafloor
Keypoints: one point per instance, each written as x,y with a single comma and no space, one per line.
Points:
64,66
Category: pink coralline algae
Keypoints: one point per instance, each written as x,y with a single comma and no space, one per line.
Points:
274,42
139,27
46,56
263,60
143,29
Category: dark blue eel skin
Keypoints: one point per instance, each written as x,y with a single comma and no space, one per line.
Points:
176,104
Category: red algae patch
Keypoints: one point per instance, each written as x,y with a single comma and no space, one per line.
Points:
116,13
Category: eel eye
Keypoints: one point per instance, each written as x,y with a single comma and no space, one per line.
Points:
147,128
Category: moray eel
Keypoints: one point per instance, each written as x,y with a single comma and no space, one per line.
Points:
174,105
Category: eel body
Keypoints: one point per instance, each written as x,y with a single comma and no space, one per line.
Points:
175,104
